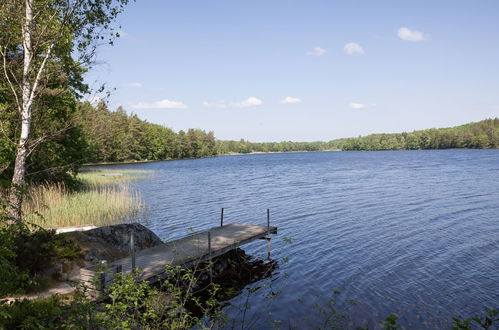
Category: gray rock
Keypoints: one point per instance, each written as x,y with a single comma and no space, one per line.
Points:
113,242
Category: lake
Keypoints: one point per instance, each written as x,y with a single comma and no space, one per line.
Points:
414,233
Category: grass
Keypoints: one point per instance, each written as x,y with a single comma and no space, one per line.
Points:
106,177
105,198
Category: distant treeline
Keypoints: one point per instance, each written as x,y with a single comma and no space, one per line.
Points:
243,147
483,134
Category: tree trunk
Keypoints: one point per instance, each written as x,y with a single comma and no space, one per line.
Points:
18,179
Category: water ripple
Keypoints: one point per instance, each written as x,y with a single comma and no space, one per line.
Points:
409,232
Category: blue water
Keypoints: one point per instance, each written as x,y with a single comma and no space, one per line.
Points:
415,233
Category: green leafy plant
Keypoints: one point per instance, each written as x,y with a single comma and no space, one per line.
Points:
489,321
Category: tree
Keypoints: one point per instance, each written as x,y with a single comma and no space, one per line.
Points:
37,43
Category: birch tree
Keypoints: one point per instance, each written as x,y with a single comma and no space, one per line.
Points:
42,40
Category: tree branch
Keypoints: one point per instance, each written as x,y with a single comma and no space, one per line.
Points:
11,85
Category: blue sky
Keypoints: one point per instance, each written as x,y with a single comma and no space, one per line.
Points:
305,70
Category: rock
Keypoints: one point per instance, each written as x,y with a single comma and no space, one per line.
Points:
113,242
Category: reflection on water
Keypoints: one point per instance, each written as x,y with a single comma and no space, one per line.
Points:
233,272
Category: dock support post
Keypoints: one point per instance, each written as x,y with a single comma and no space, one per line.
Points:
268,247
222,218
132,250
102,281
102,276
209,255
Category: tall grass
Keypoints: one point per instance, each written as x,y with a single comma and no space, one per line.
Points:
102,200
105,177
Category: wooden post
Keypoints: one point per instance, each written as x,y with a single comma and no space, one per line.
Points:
268,247
102,277
132,250
268,221
268,233
209,256
222,218
103,280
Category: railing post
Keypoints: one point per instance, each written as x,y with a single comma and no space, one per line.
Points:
209,256
102,276
222,218
268,221
132,249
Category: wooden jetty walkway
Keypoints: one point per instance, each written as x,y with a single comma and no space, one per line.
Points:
186,251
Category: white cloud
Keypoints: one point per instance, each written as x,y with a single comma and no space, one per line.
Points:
163,104
289,99
134,85
217,104
317,51
358,106
353,48
407,34
249,102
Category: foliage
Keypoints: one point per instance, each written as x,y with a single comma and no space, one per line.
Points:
131,304
244,147
115,136
390,323
483,134
26,250
489,321
136,304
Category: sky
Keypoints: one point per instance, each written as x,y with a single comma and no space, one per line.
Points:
304,70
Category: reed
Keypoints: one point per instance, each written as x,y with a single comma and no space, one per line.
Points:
102,200
106,177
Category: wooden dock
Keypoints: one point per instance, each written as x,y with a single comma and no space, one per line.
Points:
186,251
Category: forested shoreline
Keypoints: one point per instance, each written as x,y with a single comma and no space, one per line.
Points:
478,135
93,134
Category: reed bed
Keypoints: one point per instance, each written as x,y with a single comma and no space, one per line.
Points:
106,177
103,200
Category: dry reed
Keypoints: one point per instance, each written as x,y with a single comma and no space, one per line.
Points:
103,200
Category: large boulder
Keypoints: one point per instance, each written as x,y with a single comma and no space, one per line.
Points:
113,242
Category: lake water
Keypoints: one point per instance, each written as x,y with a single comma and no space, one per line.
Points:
414,233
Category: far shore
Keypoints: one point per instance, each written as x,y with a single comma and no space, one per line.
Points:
129,162
221,155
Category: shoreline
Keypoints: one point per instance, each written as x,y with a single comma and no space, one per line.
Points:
130,162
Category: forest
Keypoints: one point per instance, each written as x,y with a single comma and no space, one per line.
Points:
478,135
482,134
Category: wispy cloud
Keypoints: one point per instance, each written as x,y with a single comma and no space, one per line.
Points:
358,106
407,34
162,104
249,102
317,51
134,85
353,48
217,104
289,99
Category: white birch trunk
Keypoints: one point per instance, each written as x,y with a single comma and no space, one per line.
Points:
18,178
